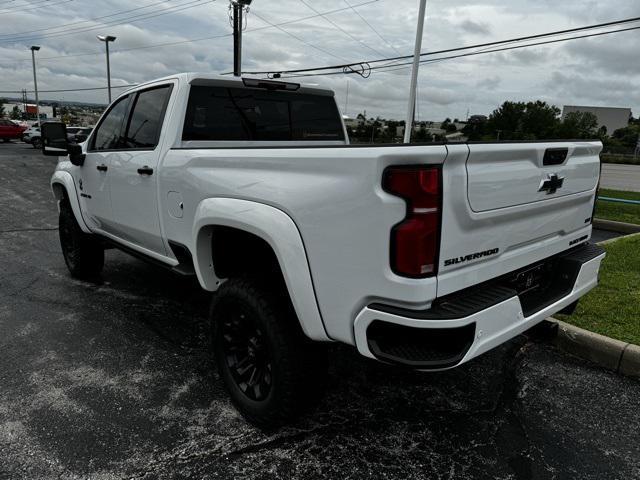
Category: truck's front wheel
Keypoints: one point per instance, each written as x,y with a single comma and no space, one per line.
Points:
83,254
271,370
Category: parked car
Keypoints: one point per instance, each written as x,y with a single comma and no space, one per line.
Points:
30,134
81,135
71,133
10,130
423,256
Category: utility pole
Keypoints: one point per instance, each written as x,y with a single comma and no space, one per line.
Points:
24,104
239,7
346,102
106,39
34,49
408,127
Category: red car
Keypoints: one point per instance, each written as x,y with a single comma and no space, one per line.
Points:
10,130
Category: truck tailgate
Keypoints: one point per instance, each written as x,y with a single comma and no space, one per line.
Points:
504,175
518,208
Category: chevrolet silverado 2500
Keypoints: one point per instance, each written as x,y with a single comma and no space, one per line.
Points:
419,255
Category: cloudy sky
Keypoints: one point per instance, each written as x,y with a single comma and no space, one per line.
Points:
158,38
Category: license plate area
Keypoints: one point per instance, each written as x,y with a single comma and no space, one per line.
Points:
541,284
530,279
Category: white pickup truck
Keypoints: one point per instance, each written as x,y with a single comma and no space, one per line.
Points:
419,255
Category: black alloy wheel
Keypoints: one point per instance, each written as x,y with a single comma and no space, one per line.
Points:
82,252
246,352
272,372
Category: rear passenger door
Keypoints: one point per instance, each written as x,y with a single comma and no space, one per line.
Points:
134,179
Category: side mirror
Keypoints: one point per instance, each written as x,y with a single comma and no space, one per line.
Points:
54,139
75,154
55,143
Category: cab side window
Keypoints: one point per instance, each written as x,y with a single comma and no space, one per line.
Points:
108,133
145,123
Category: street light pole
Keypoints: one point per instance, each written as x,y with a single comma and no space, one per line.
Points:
34,49
106,39
408,126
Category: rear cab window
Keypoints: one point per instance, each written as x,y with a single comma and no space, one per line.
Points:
217,113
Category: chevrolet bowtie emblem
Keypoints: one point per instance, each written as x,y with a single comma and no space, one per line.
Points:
551,184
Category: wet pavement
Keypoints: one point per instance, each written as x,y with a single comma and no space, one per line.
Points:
115,380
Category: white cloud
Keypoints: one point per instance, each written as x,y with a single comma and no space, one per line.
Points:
597,71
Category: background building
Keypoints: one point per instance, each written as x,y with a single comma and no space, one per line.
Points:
610,117
28,110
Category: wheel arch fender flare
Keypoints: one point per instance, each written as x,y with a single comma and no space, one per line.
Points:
62,185
281,233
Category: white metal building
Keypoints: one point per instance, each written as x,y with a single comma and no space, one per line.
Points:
610,117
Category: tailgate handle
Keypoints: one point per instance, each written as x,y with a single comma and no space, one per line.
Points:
555,156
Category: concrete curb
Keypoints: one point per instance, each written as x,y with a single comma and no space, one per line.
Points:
619,227
611,240
620,357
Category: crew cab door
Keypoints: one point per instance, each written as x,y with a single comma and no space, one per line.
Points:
134,176
94,177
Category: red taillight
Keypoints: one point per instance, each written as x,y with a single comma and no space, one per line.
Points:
415,240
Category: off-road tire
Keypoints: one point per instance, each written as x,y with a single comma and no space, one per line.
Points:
83,253
295,366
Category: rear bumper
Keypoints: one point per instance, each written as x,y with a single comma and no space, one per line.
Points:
464,325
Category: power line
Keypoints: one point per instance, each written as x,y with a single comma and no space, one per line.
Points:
372,28
180,42
21,10
390,67
133,19
121,12
320,49
27,4
451,50
73,89
513,47
335,25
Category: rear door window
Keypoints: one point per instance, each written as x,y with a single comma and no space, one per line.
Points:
223,114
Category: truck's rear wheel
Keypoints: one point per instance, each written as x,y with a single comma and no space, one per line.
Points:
83,254
271,370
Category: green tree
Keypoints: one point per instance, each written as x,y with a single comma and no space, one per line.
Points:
524,121
623,140
2,102
507,120
578,125
15,114
447,126
540,119
422,135
476,128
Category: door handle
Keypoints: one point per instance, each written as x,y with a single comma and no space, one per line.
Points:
145,170
102,168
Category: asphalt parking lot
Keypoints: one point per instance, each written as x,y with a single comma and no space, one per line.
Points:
115,380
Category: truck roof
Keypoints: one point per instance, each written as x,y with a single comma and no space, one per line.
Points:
199,78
